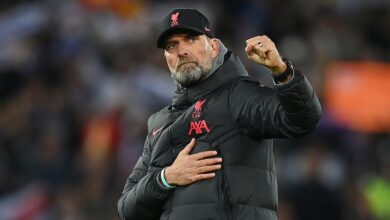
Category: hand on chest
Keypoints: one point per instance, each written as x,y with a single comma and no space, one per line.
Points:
206,120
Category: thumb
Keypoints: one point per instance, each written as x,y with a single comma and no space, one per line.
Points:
189,147
249,50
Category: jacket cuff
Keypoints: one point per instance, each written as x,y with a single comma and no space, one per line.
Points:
160,183
295,93
283,83
295,78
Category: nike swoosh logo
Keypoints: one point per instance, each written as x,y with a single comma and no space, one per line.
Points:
156,131
206,29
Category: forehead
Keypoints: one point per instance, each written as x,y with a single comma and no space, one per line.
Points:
180,36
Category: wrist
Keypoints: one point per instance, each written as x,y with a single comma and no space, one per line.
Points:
168,176
286,75
279,69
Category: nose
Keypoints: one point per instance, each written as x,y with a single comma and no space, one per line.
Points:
182,50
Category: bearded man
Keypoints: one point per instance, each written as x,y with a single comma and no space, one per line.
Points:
209,155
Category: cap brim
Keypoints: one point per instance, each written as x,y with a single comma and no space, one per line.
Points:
176,30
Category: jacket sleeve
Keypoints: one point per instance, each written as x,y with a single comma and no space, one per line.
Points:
289,110
143,196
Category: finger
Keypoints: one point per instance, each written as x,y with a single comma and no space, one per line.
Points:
189,147
259,45
263,48
259,51
252,39
261,40
249,51
266,39
204,154
248,48
208,169
203,176
266,51
209,161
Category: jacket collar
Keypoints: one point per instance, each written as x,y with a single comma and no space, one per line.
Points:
231,68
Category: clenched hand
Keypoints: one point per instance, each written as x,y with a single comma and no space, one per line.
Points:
189,168
262,50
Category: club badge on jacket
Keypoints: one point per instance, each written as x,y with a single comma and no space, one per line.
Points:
196,125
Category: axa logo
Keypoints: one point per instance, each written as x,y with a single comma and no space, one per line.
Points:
175,19
198,108
198,127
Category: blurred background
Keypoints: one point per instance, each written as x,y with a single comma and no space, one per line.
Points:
79,78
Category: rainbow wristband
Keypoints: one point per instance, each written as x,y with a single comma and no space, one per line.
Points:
164,181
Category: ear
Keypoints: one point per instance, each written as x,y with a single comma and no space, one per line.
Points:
214,43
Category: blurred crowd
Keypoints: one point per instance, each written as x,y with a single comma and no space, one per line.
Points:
79,78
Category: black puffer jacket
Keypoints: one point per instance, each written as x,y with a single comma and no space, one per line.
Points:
231,113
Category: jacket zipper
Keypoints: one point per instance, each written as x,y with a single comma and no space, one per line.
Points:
226,199
225,195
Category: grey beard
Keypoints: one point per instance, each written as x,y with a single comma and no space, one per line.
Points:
190,74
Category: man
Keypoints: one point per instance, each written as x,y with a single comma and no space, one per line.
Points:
209,154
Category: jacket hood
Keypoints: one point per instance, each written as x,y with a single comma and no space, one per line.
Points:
226,68
219,59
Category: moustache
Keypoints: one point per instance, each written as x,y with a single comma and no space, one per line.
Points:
181,63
